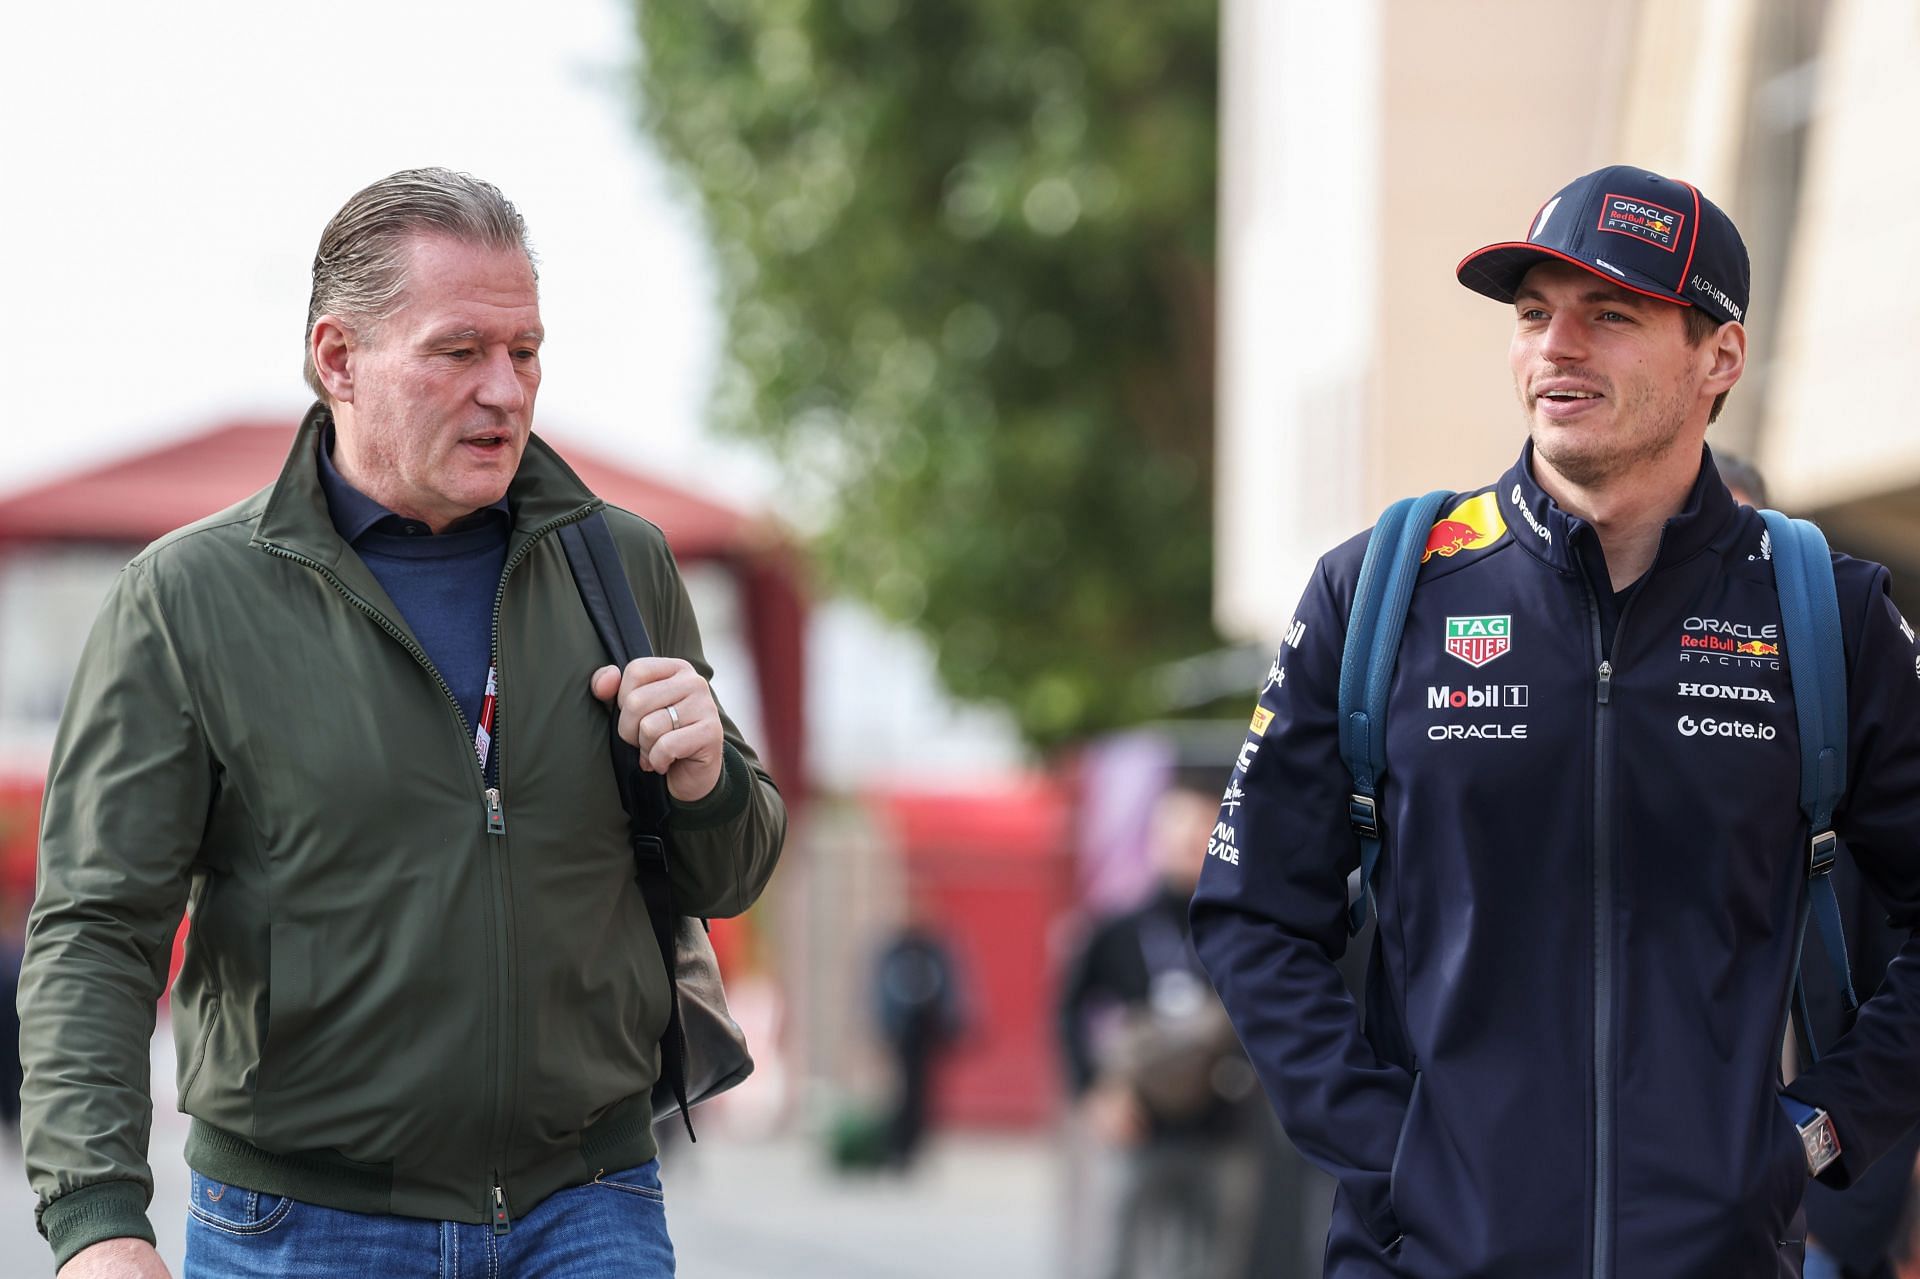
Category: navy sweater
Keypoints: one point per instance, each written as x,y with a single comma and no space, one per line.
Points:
443,585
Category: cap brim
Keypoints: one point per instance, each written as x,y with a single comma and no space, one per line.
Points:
1496,272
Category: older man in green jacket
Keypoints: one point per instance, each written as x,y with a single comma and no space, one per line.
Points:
357,726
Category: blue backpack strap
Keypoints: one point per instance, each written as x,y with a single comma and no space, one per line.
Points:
1379,614
1816,661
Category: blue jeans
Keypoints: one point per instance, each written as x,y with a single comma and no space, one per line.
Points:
614,1227
1820,1264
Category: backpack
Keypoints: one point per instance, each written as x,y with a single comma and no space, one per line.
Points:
703,1051
1810,617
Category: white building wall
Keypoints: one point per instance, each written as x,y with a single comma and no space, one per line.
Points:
1299,221
1837,426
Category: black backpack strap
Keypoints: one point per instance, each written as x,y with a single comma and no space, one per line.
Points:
602,579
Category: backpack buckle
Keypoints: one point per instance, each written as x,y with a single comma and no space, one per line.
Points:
650,851
1820,854
1364,815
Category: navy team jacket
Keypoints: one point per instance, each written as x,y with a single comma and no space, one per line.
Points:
1588,900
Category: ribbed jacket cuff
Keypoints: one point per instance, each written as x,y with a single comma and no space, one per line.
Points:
92,1214
726,801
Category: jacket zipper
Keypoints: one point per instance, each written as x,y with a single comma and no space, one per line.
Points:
493,807
1603,894
504,1118
1602,956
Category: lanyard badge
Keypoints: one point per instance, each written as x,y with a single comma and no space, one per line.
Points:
483,735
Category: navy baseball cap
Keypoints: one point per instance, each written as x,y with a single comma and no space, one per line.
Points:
1636,229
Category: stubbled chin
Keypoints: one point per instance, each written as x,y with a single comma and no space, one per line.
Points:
1568,459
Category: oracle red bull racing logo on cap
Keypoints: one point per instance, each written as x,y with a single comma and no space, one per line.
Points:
1624,215
1478,640
1470,526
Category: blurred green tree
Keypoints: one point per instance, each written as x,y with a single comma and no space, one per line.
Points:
966,267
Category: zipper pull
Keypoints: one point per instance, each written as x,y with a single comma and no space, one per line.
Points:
502,1223
1605,691
496,815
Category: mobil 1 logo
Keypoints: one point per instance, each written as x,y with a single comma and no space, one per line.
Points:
1476,697
1446,697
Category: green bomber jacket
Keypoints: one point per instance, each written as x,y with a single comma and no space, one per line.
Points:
389,1003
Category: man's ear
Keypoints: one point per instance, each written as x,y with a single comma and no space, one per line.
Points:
332,347
1729,348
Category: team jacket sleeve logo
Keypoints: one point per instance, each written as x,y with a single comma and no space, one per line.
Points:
1470,526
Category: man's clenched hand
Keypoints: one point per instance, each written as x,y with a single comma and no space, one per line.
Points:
668,713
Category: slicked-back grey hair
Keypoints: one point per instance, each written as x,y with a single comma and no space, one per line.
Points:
359,270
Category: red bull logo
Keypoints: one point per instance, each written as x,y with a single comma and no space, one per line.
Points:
1449,538
1470,526
1728,644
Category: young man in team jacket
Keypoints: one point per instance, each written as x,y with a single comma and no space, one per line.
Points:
1594,861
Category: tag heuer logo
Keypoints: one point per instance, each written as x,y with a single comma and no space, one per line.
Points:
1478,640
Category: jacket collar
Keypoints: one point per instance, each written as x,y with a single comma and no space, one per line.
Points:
296,517
1548,533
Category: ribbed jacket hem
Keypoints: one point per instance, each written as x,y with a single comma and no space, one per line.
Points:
726,801
623,1139
317,1177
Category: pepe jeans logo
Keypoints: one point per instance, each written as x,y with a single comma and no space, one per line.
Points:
1478,640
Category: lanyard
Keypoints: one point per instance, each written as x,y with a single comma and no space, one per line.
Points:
483,735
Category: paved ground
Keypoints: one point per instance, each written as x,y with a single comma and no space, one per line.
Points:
738,1210
975,1207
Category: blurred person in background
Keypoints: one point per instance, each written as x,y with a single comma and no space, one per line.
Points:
10,1041
1852,1233
1158,1077
1587,901
919,1008
360,721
